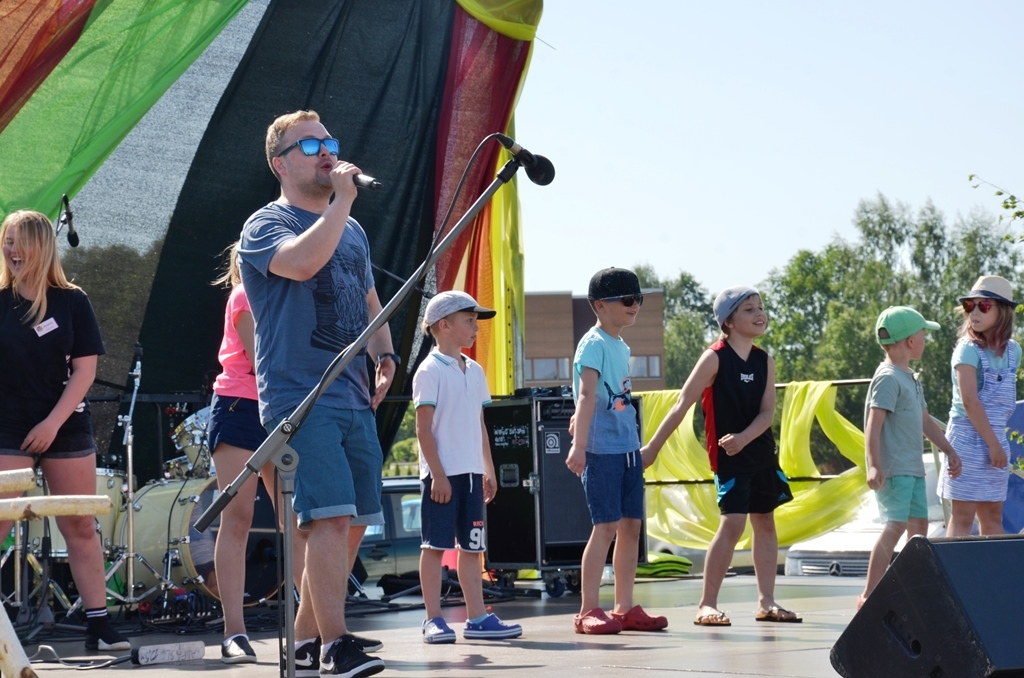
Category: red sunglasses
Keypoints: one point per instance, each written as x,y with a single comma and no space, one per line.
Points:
983,305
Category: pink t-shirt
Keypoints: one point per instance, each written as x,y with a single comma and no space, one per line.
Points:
237,378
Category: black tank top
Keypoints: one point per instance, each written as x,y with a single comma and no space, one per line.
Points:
733,401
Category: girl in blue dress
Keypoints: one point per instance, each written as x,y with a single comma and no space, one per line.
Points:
984,367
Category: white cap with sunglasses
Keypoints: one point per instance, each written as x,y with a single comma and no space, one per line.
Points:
989,287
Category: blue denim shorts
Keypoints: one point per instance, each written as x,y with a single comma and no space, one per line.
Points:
340,464
460,521
614,485
236,422
902,498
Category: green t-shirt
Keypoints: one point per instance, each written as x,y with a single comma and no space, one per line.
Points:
899,393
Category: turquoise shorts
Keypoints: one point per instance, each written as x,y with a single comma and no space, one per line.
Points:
902,498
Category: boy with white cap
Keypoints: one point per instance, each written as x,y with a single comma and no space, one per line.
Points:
449,391
895,417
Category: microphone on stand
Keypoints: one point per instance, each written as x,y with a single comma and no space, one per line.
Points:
369,183
539,169
65,220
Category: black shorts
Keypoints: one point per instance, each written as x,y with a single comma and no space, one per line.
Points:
755,492
236,422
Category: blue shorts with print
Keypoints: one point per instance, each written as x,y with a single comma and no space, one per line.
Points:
614,485
340,464
459,521
902,498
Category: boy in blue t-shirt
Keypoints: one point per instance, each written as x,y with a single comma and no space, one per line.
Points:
605,453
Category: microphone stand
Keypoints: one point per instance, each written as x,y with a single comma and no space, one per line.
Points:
276,449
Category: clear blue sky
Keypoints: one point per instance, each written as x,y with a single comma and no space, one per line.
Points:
719,138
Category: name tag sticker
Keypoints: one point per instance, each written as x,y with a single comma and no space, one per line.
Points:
45,327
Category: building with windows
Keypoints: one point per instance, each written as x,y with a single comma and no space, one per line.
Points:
555,321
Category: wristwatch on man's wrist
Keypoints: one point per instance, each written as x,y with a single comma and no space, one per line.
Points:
394,356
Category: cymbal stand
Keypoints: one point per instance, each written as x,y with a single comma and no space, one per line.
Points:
129,556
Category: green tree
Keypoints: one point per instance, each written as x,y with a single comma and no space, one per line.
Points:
824,304
689,321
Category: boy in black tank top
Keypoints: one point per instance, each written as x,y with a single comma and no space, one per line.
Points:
735,381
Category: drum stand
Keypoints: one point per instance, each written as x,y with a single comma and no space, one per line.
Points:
129,556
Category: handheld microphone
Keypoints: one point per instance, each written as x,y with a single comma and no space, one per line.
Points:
539,169
65,219
369,183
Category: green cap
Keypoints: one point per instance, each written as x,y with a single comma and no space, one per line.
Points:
900,322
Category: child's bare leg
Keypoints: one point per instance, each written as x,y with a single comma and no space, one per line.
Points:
624,559
990,517
917,526
471,582
719,556
766,557
430,580
881,554
594,556
961,518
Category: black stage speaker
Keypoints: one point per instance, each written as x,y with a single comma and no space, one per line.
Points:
946,608
539,518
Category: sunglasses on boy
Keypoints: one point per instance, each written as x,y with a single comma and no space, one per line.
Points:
983,305
628,299
311,146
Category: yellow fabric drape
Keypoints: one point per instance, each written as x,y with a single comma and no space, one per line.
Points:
518,19
688,515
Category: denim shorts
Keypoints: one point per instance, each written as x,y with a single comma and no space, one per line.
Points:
614,485
902,498
236,422
340,464
460,521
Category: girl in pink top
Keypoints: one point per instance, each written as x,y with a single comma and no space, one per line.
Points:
234,434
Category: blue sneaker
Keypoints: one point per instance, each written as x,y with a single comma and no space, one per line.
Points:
435,631
492,628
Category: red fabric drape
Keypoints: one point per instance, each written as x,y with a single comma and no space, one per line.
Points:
34,36
484,71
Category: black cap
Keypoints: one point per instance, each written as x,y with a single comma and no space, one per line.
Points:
613,282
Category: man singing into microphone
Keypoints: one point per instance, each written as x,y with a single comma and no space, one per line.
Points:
306,270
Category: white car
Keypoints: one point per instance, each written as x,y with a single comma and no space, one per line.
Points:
844,552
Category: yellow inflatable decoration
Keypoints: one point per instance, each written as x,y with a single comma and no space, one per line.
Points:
686,514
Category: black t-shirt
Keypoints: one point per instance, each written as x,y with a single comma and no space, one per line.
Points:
731,403
35,364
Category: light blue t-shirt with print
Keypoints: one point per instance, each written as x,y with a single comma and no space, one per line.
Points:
301,326
966,353
613,427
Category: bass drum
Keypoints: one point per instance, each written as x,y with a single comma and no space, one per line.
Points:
165,512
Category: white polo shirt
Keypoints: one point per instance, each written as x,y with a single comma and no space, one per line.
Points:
457,398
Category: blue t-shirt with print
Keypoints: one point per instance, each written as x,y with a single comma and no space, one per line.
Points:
613,427
301,326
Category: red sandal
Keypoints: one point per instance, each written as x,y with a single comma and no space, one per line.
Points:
638,620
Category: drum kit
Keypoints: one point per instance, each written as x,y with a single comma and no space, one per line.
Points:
151,528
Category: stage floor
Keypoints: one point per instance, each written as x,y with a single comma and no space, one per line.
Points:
549,647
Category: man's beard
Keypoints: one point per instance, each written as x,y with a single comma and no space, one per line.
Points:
318,189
